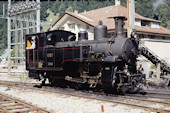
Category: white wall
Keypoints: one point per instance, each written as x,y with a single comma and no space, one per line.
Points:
159,47
145,65
155,25
79,26
137,22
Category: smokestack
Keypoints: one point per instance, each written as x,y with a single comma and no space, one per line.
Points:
117,2
119,26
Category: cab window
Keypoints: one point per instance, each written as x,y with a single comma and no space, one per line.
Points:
31,42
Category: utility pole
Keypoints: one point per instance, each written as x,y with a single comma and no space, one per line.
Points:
51,23
158,70
38,16
3,10
21,17
131,17
9,39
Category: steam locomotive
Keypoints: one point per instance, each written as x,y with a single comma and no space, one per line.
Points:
106,62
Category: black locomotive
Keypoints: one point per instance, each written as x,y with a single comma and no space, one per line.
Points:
108,62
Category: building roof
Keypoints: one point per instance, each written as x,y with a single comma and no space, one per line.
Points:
92,17
5,55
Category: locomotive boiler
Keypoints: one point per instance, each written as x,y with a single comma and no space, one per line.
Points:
106,62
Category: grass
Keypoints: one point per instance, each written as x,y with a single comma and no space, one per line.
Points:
52,16
22,76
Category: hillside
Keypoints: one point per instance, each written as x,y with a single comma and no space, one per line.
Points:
156,9
50,16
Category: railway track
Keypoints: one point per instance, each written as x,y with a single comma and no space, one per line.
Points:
4,82
148,105
13,105
157,92
152,96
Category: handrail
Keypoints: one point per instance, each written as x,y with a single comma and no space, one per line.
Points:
150,55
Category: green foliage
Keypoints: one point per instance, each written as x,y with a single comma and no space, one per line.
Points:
146,8
80,5
163,13
142,7
44,27
43,10
3,30
168,24
70,9
156,9
153,67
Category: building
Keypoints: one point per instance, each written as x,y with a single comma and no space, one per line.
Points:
152,35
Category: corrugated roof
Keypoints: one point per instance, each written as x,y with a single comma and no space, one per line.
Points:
161,30
5,55
92,17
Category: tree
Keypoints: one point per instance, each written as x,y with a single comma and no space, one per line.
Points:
69,9
43,13
162,12
3,30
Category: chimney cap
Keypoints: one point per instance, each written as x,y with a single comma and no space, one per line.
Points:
76,11
117,2
118,17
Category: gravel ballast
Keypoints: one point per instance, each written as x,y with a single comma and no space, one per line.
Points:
66,104
59,103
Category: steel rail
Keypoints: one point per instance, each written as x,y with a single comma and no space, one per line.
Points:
10,104
106,100
149,96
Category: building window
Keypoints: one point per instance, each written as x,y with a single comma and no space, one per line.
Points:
137,22
153,36
142,36
145,23
155,25
71,25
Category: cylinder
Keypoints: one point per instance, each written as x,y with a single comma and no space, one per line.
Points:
119,26
100,31
82,35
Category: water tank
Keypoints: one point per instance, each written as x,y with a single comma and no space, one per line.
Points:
82,35
100,31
